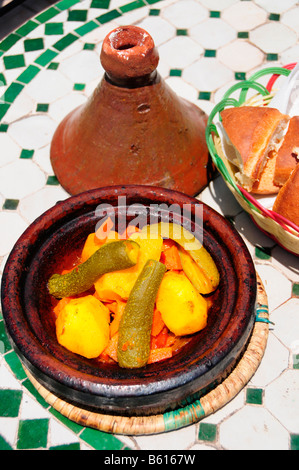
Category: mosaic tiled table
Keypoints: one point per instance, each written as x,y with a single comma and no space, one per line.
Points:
50,65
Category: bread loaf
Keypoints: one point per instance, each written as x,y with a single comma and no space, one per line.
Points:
252,134
288,154
287,200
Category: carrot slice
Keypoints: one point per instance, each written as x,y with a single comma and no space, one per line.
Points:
129,231
158,323
159,354
171,258
111,348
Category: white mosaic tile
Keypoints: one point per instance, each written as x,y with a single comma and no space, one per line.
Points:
30,408
185,13
282,399
207,74
7,380
82,67
21,178
218,196
9,428
277,286
273,37
34,205
291,18
23,105
240,56
180,52
253,428
10,151
61,107
59,434
244,16
173,440
275,360
212,33
48,86
160,29
182,89
218,5
276,6
33,131
286,320
14,227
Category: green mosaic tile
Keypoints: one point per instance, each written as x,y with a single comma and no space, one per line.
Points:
65,4
4,445
254,396
89,46
28,74
86,28
262,252
73,446
210,53
204,95
240,75
294,441
296,361
270,57
33,434
53,29
3,127
10,401
33,44
27,154
46,57
10,204
5,345
215,14
175,73
100,4
27,28
295,289
2,80
52,180
79,86
14,61
154,12
53,65
64,42
9,41
152,2
42,107
182,32
15,365
243,35
274,17
207,432
3,109
77,15
106,17
100,440
47,15
132,6
12,92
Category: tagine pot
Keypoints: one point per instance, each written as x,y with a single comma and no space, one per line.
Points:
133,129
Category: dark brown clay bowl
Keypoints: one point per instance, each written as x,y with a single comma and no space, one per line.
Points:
196,368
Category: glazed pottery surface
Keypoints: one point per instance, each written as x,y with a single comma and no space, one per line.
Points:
198,366
133,129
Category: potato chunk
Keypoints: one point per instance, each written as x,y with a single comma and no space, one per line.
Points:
82,326
183,309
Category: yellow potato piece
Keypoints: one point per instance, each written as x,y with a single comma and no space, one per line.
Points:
183,309
82,326
118,284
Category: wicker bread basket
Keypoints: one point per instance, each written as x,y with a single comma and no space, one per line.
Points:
283,231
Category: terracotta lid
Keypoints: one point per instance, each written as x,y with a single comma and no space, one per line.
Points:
129,52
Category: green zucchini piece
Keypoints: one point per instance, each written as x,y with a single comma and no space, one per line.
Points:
113,256
136,322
